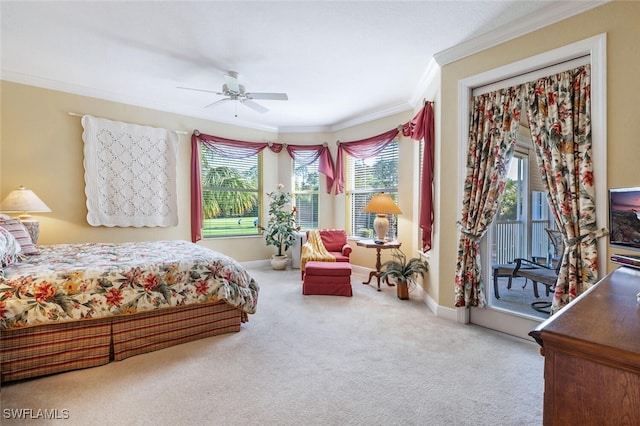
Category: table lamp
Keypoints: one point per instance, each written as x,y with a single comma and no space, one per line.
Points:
25,201
381,204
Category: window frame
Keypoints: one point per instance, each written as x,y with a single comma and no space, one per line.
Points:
248,229
314,193
351,192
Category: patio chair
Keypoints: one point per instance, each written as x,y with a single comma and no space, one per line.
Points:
545,273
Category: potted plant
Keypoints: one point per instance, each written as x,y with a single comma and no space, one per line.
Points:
403,271
280,229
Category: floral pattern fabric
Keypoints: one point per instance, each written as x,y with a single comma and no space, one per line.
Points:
493,131
559,112
92,280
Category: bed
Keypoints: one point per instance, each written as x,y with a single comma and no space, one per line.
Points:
75,306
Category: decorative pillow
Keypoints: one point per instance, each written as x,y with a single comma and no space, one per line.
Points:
21,235
9,248
333,239
5,217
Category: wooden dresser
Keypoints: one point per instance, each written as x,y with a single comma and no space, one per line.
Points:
592,355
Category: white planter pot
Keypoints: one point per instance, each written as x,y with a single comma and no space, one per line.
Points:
279,262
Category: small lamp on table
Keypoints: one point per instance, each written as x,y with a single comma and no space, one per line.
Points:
25,201
381,204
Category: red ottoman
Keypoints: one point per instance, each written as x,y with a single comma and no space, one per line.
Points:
327,278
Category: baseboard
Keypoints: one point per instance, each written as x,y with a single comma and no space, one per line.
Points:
256,263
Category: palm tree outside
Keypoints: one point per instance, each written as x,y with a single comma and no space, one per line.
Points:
230,202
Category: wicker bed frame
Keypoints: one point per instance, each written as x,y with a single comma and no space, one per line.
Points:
54,348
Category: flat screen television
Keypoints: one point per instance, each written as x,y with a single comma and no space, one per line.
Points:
624,218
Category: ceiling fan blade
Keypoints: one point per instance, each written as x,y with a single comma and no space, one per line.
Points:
268,96
218,102
231,78
254,106
200,90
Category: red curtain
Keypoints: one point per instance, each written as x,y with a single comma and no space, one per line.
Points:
422,127
364,148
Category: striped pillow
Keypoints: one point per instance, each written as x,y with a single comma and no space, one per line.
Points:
21,235
9,248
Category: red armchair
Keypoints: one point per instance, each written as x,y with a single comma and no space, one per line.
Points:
334,242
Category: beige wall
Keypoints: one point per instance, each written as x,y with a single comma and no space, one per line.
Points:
620,21
42,149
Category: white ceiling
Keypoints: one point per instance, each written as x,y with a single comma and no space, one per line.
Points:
339,62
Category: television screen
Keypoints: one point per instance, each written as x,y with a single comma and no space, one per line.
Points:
624,218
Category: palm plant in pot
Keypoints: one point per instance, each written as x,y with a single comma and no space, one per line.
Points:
280,229
403,271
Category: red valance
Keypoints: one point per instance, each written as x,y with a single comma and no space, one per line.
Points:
363,148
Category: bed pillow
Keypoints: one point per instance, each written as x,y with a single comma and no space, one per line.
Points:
9,248
21,235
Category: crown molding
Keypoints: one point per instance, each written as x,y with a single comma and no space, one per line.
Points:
426,81
375,115
550,15
360,119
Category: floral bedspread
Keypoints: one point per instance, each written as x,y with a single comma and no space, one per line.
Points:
92,280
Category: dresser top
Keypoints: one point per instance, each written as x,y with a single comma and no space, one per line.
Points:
607,316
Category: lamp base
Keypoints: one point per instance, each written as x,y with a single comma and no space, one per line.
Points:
33,228
381,226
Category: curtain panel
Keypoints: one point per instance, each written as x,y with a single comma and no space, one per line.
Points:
422,127
493,131
559,112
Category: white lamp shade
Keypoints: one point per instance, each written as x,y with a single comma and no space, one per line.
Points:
23,200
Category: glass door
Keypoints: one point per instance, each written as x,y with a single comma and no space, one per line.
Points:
517,232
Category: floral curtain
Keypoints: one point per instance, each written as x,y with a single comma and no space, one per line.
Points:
364,148
422,127
493,132
559,112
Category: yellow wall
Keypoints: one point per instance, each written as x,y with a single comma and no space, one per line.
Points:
620,21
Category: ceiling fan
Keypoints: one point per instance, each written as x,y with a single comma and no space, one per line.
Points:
234,91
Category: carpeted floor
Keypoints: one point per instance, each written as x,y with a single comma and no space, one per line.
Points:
371,359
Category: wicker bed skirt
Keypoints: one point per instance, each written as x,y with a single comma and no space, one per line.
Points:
54,348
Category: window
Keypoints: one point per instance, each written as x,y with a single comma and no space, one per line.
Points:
519,231
365,178
231,195
510,226
305,193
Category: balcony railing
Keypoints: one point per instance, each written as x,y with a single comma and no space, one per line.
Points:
509,240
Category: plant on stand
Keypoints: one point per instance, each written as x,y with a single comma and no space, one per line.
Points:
280,229
403,271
